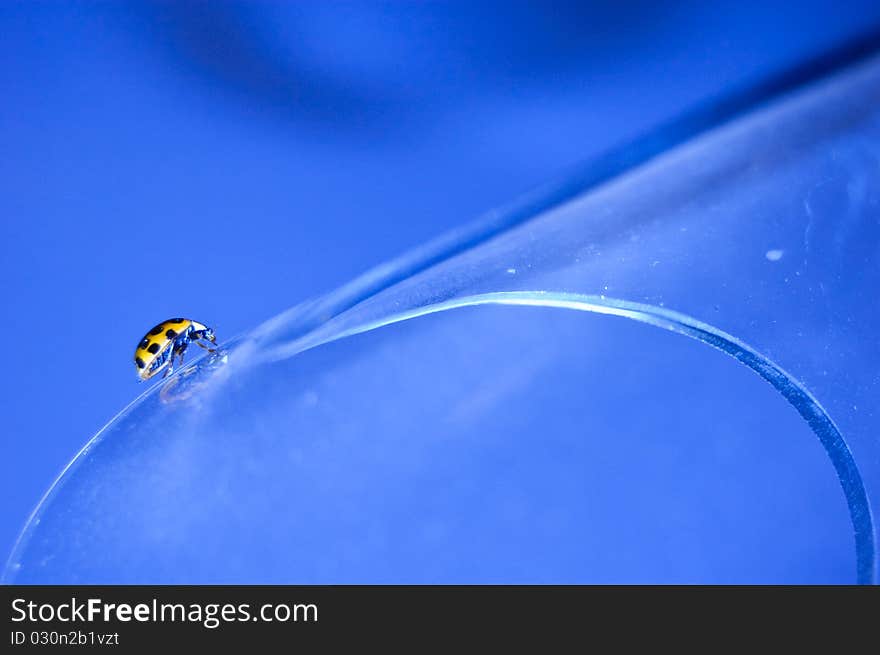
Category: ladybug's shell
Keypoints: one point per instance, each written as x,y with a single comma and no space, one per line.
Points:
156,341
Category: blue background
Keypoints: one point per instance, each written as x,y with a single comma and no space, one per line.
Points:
225,161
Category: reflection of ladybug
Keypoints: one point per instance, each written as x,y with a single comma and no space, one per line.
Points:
166,341
180,387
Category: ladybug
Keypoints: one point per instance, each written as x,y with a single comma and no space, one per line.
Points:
169,339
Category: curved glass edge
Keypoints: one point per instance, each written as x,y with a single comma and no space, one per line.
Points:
791,389
202,363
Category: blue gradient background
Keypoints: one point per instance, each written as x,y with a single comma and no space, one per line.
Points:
225,161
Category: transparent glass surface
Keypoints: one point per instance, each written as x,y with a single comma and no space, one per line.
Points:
499,405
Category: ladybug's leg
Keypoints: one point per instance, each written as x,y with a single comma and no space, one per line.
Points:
198,338
201,345
170,368
177,350
180,349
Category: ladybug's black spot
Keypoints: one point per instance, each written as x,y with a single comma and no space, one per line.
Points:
144,343
177,320
139,362
156,330
154,348
170,333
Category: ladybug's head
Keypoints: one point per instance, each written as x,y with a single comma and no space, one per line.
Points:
202,331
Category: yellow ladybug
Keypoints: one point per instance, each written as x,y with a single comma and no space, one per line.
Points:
169,339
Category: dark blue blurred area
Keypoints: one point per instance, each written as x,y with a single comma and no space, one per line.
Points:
224,161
